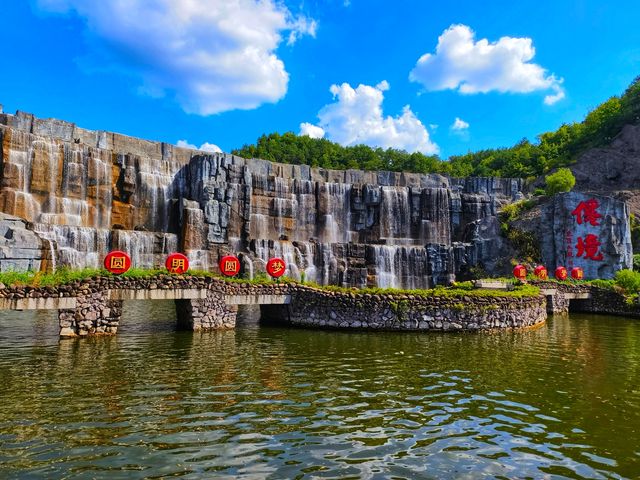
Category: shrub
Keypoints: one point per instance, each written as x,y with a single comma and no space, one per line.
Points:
629,280
560,181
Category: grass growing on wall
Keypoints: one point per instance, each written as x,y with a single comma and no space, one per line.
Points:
64,276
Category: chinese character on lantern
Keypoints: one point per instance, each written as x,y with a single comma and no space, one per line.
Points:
577,273
561,273
276,267
541,272
588,247
520,272
117,262
229,265
587,212
177,263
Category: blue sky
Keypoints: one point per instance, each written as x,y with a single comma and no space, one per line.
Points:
223,72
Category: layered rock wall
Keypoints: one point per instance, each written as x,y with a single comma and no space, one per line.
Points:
86,192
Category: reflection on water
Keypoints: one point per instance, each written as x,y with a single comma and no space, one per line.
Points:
562,401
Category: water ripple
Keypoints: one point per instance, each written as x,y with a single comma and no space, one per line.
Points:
558,402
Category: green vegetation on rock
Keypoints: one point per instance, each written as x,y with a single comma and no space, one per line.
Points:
526,243
628,280
560,181
65,276
552,150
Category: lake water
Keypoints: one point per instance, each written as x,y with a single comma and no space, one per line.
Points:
561,401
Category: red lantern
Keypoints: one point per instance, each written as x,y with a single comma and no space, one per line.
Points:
577,273
117,262
561,273
276,267
229,265
177,263
520,272
541,272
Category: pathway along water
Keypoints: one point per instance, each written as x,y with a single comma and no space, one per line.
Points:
562,400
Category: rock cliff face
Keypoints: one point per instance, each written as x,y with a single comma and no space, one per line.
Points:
84,193
614,169
577,229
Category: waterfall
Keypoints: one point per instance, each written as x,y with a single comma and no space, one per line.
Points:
401,267
76,247
337,227
395,215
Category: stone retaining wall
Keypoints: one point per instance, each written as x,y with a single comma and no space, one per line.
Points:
317,308
209,303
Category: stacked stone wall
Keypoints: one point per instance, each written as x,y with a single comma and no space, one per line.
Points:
315,308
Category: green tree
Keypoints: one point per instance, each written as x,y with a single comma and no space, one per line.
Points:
560,181
552,150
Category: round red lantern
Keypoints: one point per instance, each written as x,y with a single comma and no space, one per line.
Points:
561,273
229,265
520,272
117,262
577,273
276,267
541,272
177,263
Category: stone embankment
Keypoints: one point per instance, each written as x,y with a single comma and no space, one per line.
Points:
323,309
94,306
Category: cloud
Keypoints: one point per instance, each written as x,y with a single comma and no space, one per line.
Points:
459,124
469,66
356,117
556,97
211,55
205,147
310,130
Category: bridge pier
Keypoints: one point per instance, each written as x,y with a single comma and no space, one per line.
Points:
557,304
209,313
94,314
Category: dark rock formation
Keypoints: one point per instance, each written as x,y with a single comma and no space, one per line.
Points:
86,192
582,230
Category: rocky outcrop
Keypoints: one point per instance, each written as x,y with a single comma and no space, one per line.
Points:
582,230
20,248
87,192
613,170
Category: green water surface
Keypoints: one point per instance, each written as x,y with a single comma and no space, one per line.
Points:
561,401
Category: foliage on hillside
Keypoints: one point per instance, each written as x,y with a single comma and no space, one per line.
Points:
525,159
560,181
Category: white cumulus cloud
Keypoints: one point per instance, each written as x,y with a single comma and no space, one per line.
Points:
459,124
469,66
205,147
311,130
212,55
356,117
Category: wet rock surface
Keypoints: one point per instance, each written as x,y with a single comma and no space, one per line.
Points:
87,192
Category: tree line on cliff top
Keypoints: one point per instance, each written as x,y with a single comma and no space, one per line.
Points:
524,160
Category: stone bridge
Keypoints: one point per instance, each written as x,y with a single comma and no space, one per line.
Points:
94,306
565,297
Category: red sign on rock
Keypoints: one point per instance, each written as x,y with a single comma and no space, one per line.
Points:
117,262
276,267
177,263
588,246
229,265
